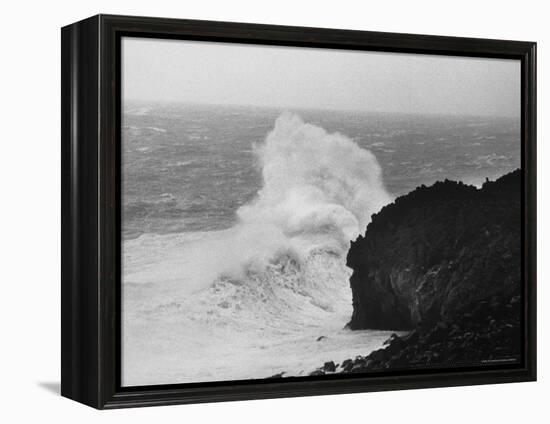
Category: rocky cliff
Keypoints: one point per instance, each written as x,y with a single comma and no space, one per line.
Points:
436,253
443,261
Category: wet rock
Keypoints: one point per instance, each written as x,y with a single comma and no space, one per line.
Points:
441,262
402,273
279,375
377,355
391,339
347,365
329,366
412,337
447,345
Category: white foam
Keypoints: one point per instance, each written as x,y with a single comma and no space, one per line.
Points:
251,300
319,191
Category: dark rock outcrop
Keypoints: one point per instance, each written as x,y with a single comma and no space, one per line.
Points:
436,253
488,335
443,261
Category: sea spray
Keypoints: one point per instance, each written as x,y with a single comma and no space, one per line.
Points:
314,182
251,301
319,192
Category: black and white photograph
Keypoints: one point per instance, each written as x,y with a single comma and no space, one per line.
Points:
297,212
275,212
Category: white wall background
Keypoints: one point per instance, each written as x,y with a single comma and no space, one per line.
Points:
30,212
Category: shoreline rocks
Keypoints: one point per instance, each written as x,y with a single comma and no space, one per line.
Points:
443,263
490,334
434,253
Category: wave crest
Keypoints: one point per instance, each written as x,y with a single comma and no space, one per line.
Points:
317,187
319,192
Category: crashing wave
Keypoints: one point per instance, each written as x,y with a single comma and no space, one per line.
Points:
319,192
263,291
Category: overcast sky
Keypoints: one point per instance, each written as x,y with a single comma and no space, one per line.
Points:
291,77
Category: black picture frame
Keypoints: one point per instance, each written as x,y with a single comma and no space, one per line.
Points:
90,184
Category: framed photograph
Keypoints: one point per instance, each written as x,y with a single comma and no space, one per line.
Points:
254,211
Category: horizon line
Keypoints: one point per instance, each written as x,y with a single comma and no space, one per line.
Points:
312,108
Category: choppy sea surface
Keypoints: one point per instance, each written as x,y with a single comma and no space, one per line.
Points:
236,222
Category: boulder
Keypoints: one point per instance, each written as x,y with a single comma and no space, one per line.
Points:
434,254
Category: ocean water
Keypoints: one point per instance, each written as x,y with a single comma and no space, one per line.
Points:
237,220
